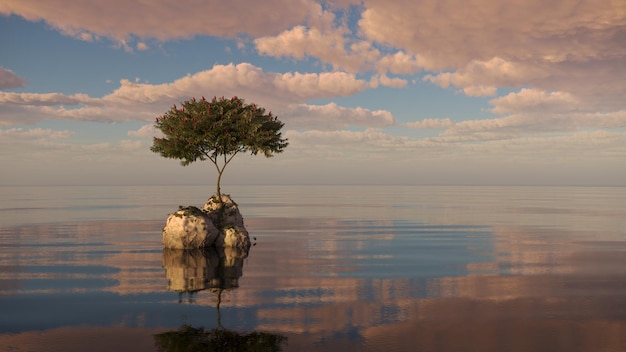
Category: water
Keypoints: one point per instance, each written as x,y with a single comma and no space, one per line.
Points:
334,268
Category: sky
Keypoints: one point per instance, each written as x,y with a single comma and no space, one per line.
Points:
425,92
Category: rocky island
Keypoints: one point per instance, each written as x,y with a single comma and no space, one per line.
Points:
219,223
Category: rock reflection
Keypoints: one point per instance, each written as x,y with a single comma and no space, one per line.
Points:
192,270
215,269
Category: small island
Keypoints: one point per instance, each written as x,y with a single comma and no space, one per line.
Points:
216,130
218,223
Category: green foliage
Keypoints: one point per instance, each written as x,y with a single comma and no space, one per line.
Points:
217,130
202,129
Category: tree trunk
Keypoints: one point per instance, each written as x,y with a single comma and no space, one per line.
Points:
218,193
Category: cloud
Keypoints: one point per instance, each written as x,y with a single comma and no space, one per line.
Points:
161,19
481,78
533,124
529,112
401,63
145,131
454,34
337,46
43,99
8,79
431,124
332,116
300,42
14,134
322,85
386,81
375,143
533,100
245,80
320,117
59,146
136,101
568,46
324,40
348,145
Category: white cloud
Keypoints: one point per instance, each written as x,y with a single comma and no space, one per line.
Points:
338,46
14,134
568,57
45,99
348,145
481,78
573,47
386,81
58,146
245,80
480,91
331,45
533,100
331,116
528,112
145,131
568,46
8,79
537,124
374,143
300,42
401,63
135,101
431,124
453,34
322,85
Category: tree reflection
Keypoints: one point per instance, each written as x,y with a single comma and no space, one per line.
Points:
189,339
216,270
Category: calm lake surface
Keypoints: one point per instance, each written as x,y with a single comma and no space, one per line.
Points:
334,268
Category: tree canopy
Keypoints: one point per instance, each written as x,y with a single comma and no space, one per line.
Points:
217,130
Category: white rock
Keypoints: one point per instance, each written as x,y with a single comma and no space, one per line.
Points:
187,229
235,236
218,223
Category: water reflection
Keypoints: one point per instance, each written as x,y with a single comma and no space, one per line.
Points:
215,269
193,270
510,270
514,288
190,339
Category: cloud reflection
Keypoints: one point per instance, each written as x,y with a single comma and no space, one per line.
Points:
513,287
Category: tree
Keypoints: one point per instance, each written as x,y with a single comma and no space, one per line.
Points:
217,130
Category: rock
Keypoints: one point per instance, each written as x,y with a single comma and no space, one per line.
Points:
218,223
189,228
227,217
235,237
225,213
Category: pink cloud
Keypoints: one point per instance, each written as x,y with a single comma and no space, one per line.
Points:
161,19
8,79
